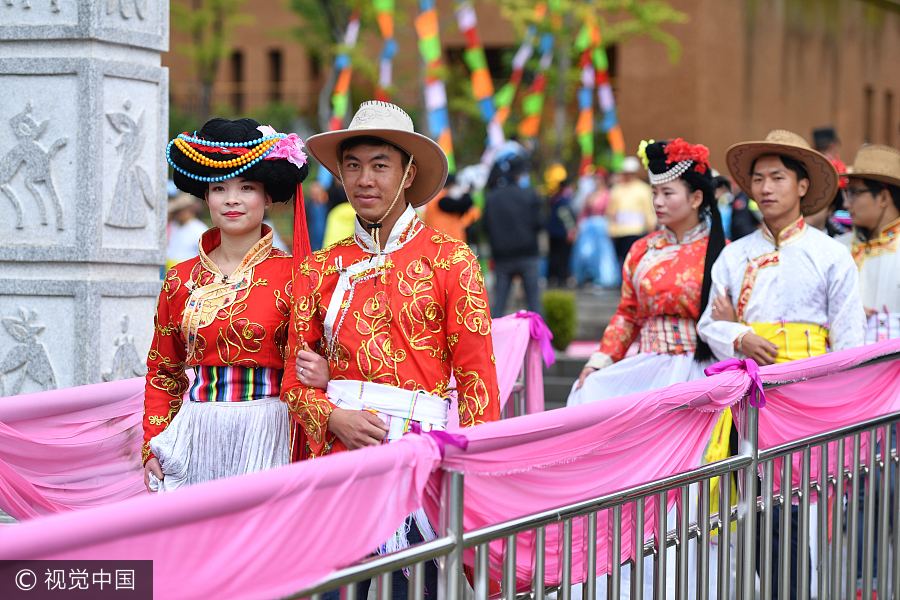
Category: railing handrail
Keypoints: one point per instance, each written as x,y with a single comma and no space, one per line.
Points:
584,507
833,435
747,462
378,565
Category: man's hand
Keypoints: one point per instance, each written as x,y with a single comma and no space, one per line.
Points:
356,428
759,349
152,466
584,373
723,309
312,369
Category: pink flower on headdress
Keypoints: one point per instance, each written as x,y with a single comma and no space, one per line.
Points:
266,130
289,148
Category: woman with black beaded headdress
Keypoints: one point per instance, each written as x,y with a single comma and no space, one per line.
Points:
665,282
224,313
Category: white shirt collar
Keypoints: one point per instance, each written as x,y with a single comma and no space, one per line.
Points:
396,239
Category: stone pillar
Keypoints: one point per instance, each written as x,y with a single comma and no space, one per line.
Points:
83,124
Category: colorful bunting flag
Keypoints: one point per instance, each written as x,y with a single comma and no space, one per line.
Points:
533,101
435,92
587,40
340,96
475,59
606,100
505,96
384,14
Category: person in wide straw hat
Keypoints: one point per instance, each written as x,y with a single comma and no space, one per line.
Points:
872,197
396,308
786,291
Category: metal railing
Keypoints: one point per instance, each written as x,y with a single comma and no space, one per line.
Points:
700,545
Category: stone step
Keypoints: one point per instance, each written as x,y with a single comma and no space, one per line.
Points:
565,366
556,391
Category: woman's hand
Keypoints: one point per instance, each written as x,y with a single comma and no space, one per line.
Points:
584,373
312,368
723,309
152,466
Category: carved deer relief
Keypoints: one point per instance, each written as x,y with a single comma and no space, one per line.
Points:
34,162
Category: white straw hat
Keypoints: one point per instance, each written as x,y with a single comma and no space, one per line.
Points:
390,123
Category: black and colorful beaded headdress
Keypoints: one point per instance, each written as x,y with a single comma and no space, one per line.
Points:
223,149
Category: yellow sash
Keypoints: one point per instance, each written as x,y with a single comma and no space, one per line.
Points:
794,341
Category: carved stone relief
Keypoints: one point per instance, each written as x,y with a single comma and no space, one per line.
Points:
28,358
127,9
133,192
127,362
26,4
30,157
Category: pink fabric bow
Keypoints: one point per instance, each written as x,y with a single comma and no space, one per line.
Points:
441,438
540,332
757,394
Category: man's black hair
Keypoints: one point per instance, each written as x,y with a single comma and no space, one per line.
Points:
369,140
789,163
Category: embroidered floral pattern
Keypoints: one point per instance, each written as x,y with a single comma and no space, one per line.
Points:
660,278
888,241
418,311
202,321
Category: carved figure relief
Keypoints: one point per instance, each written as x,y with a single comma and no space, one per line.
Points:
133,192
126,361
27,359
54,4
127,8
36,161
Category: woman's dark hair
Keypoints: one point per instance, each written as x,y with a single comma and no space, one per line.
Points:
875,187
279,177
709,208
789,163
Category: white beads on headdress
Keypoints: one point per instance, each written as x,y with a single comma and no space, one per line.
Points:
679,169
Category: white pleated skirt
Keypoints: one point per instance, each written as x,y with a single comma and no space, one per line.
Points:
639,373
212,440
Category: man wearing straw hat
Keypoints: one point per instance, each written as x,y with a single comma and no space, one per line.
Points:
872,197
397,308
786,291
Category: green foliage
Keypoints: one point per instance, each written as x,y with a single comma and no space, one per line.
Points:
619,20
180,121
561,316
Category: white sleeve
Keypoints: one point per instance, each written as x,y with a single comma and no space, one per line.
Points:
720,335
846,316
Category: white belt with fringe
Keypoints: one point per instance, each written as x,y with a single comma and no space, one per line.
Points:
395,406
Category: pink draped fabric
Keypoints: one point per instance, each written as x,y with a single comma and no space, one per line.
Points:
264,535
291,526
543,461
80,447
71,449
806,408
